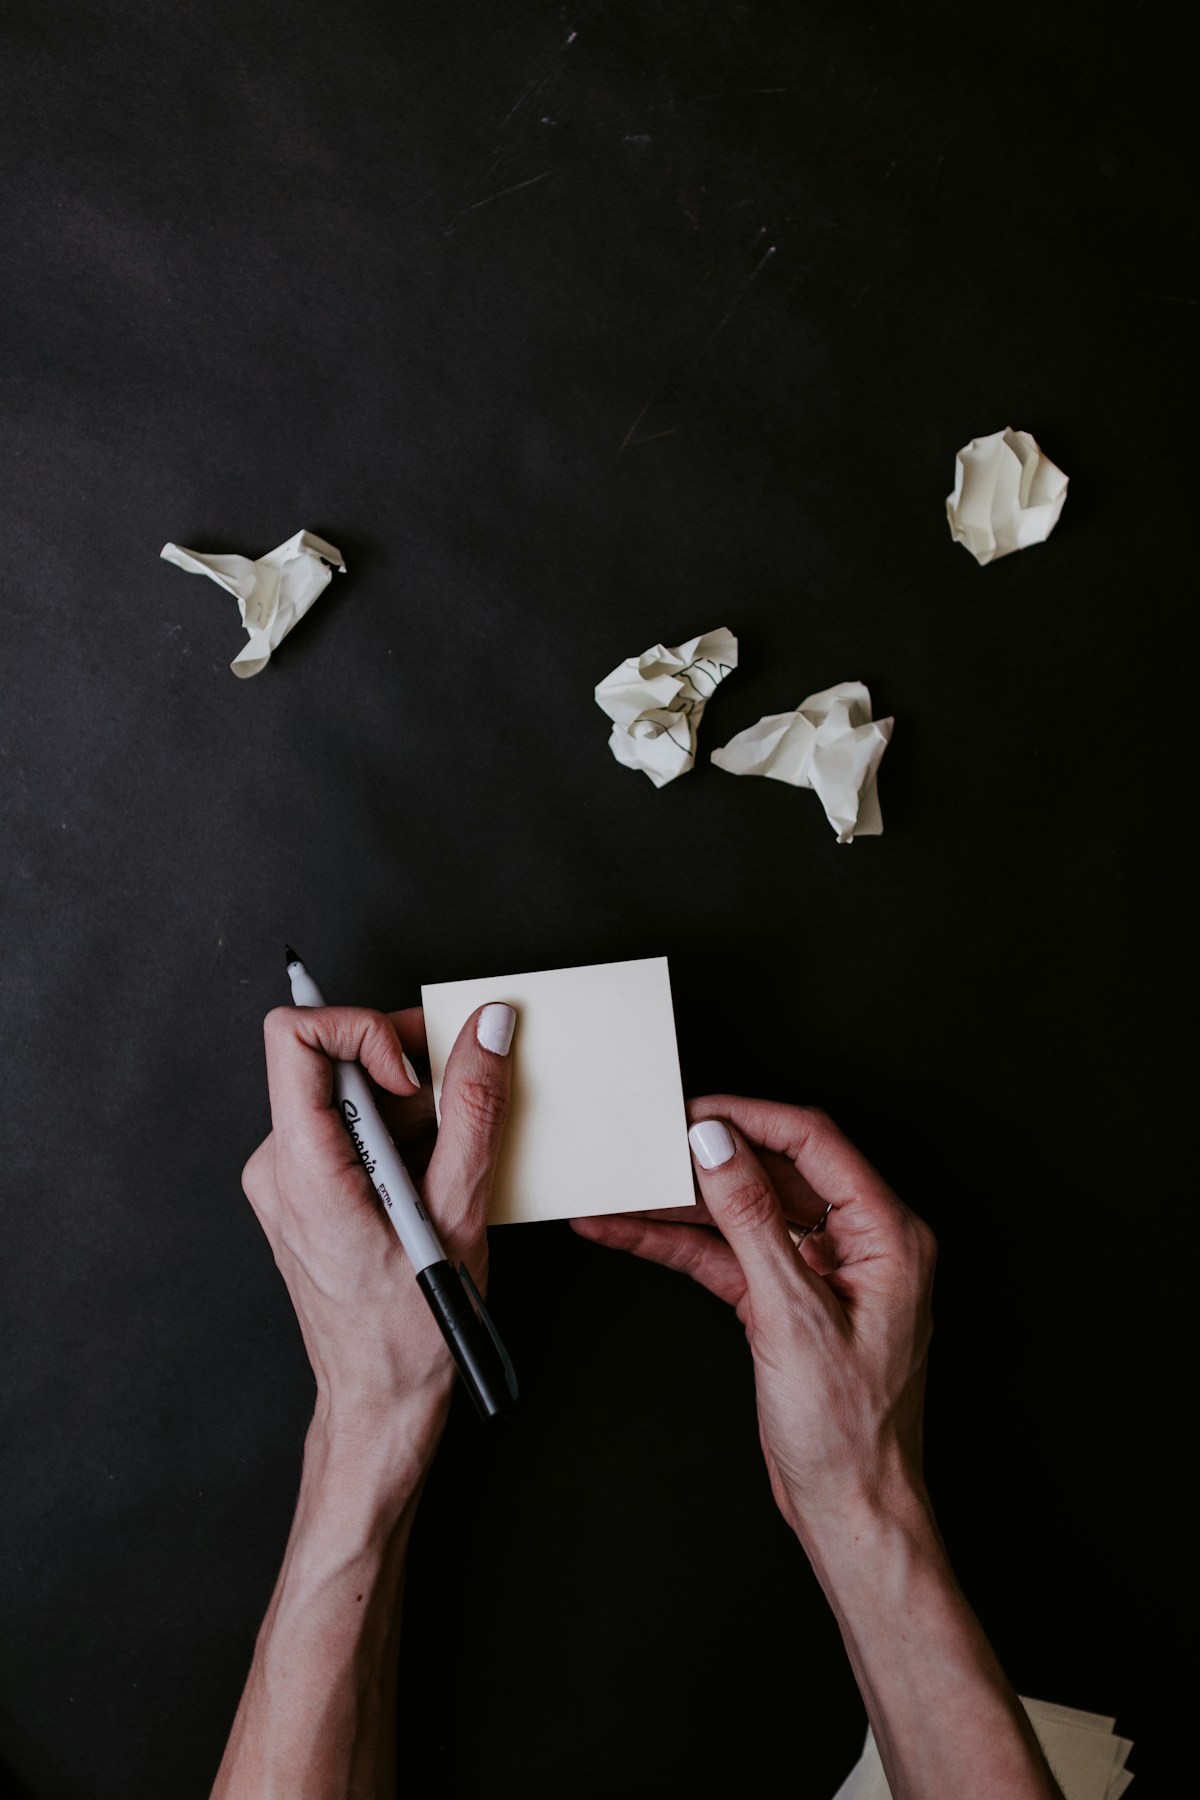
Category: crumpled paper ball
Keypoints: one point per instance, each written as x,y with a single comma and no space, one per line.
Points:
1007,495
830,743
273,593
656,701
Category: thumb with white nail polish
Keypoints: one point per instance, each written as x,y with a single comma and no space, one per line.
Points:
495,1028
711,1143
474,1106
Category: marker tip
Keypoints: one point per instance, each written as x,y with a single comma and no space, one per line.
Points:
290,955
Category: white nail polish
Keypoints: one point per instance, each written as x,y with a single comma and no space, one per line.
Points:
410,1071
711,1143
495,1028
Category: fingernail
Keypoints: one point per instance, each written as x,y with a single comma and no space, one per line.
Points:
711,1143
410,1071
495,1028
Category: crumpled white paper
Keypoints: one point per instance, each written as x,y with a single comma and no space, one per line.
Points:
656,701
830,744
273,594
1007,495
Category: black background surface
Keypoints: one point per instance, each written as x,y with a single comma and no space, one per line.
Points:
577,330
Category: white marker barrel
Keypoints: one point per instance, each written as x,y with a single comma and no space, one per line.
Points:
372,1140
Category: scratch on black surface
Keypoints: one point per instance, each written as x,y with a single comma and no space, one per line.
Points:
630,440
654,436
497,162
514,189
537,81
751,278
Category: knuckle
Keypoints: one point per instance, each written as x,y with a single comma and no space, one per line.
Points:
481,1107
685,1251
813,1126
374,1030
276,1024
748,1203
254,1179
920,1235
921,1247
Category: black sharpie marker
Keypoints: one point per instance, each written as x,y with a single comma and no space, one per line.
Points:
452,1296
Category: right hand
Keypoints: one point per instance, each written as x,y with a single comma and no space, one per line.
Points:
371,1339
838,1323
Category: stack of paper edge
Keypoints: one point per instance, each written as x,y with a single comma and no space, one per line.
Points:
1087,1758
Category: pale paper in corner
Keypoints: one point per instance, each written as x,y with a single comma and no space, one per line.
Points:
656,701
1007,495
1087,1759
831,744
273,593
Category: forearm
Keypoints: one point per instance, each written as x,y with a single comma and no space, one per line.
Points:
317,1717
945,1717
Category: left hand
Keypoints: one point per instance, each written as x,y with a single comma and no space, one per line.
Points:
370,1336
837,1319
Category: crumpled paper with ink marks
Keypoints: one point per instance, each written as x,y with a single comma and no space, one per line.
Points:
830,744
656,701
273,594
1007,495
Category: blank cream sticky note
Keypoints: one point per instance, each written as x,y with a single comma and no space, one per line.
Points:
597,1122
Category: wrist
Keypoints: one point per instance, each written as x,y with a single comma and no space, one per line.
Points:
944,1715
869,1527
869,1481
874,1559
383,1451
